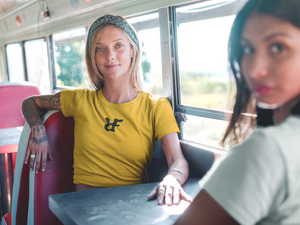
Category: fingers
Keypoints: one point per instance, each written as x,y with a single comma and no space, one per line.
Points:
152,193
27,154
176,196
37,162
169,195
160,194
31,163
45,156
185,196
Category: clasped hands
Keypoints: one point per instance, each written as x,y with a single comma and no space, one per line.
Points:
170,191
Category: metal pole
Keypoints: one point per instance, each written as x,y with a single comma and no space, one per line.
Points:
6,180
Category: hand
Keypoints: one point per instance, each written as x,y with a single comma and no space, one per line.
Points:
38,148
170,190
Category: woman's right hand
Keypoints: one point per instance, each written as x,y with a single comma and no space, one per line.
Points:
38,148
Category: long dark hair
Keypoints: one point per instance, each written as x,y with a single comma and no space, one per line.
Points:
287,10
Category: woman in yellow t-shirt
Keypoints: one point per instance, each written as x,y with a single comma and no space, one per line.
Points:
116,124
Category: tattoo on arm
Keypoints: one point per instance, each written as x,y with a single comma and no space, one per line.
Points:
50,102
31,111
38,141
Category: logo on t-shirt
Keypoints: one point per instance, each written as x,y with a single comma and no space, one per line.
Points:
111,126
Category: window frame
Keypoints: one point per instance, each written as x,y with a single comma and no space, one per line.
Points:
172,91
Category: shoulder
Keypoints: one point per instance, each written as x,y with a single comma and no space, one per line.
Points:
153,100
78,92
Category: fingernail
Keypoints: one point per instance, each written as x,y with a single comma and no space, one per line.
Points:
31,169
43,170
36,172
25,162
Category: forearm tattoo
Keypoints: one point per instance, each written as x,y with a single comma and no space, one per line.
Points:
50,102
31,111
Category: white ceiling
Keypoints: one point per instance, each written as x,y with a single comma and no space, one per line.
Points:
5,5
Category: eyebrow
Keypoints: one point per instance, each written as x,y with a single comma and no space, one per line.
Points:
268,37
119,39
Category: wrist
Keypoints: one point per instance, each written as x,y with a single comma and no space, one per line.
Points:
177,174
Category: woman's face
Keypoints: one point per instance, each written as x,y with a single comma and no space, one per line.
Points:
271,59
113,54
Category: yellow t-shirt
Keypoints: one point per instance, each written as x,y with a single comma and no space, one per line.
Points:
114,142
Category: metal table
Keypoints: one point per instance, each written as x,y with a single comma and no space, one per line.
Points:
9,139
118,205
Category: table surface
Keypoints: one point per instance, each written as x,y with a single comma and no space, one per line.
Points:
118,205
10,136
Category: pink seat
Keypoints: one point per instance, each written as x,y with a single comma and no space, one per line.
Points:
12,95
31,190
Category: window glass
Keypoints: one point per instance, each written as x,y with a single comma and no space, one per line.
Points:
70,67
204,130
147,27
202,56
15,62
2,65
37,64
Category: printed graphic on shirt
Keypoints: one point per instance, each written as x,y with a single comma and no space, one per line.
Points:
111,126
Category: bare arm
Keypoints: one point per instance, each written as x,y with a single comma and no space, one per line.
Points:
175,158
38,147
170,188
205,210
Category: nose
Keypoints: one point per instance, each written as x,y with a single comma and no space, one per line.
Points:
258,67
111,55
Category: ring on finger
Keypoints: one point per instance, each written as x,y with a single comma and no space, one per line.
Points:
162,189
32,156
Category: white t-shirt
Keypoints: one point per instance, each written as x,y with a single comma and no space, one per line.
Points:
258,182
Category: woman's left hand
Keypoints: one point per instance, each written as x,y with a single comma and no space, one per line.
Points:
170,191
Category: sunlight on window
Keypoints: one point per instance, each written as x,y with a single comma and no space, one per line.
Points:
15,62
204,130
69,58
147,27
37,64
203,65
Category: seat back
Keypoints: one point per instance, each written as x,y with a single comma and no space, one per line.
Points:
12,95
31,190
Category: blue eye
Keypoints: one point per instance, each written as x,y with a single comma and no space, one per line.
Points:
247,50
277,48
99,49
119,45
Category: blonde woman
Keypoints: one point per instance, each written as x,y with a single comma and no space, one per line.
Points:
117,123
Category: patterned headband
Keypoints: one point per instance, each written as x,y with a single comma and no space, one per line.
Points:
114,20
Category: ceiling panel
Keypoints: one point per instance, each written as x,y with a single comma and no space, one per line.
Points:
5,5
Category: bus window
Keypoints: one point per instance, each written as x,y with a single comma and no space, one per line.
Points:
207,131
147,27
37,64
69,58
15,62
202,35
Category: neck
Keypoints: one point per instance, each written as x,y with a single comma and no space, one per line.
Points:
118,93
284,111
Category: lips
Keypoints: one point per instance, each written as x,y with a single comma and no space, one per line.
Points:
261,89
112,66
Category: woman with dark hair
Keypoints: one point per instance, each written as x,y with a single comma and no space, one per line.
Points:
258,182
116,123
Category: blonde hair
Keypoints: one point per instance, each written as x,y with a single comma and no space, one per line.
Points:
96,77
